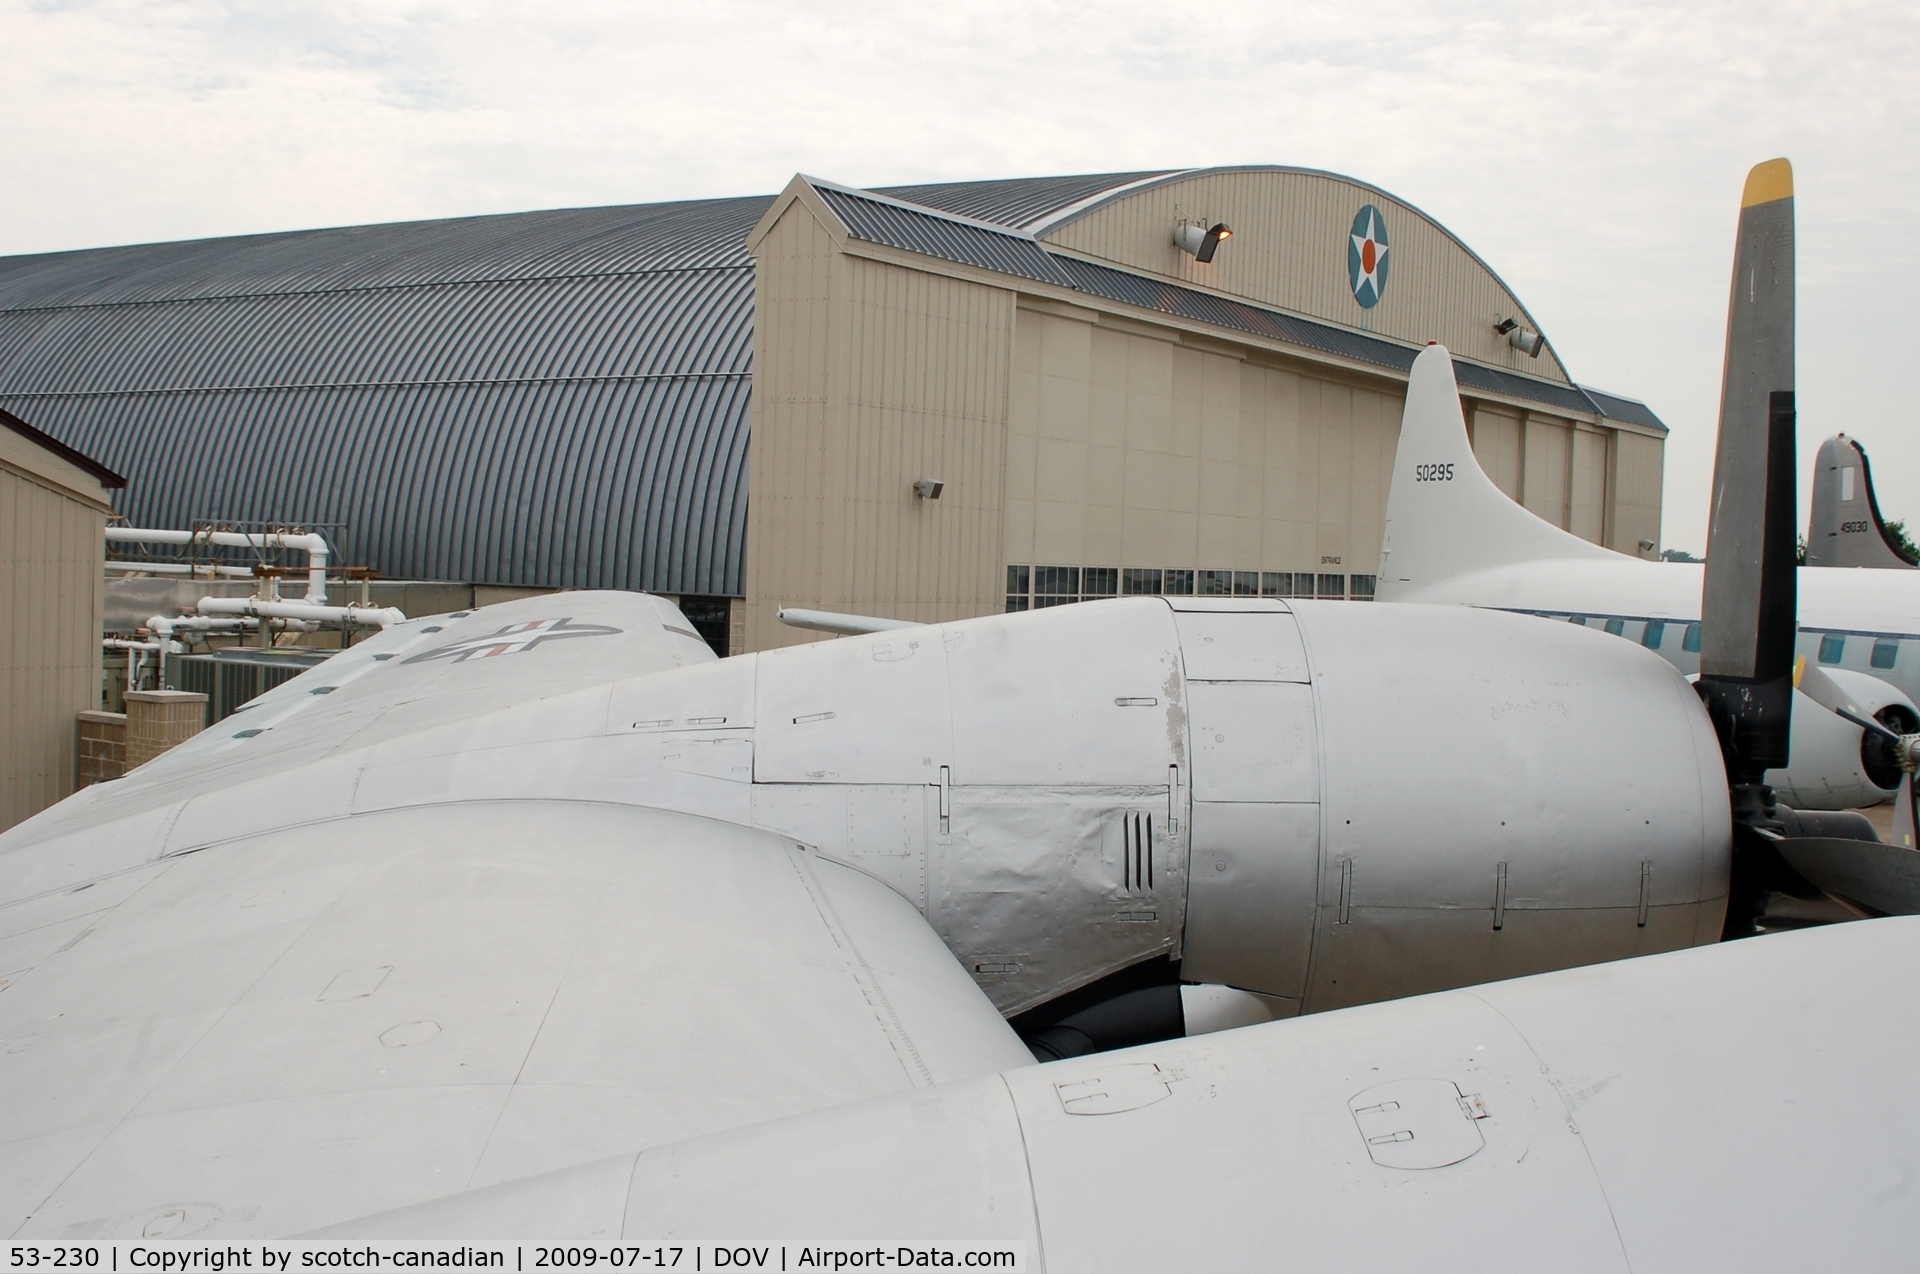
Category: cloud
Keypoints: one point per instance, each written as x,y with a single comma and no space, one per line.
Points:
1593,155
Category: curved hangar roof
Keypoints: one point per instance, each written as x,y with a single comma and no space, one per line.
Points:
561,398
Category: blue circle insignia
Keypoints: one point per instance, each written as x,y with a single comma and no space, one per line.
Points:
1367,253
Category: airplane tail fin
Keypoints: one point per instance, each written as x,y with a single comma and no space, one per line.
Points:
1445,517
1846,528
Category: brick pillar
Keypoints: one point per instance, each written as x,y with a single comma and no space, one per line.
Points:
161,719
103,747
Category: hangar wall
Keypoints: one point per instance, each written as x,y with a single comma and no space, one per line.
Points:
1604,485
53,516
1128,447
868,376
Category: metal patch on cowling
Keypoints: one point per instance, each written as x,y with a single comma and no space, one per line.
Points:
513,639
1119,1087
1416,1124
1367,252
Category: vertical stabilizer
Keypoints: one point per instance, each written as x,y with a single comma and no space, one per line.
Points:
1445,517
1845,528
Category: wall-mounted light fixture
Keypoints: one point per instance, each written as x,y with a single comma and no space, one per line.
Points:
1199,241
1524,339
928,488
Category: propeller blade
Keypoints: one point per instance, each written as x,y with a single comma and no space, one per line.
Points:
1812,681
1749,603
1884,877
1870,725
1903,820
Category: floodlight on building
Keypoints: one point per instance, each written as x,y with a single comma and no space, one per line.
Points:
928,488
1199,241
1524,339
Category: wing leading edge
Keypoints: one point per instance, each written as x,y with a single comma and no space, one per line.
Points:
414,677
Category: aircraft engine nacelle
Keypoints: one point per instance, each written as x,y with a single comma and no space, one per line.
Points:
1494,799
1325,803
1834,764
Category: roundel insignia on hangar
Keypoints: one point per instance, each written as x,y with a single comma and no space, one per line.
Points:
1367,251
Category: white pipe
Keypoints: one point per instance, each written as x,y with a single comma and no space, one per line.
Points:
138,648
246,623
182,568
828,621
315,547
365,616
167,627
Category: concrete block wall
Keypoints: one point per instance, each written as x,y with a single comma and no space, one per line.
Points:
158,720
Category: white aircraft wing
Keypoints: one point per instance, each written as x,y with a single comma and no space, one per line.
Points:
1722,1108
413,677
288,1031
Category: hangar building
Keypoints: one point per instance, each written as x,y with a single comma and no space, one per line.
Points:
586,398
54,503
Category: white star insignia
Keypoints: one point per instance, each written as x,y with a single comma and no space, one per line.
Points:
1360,242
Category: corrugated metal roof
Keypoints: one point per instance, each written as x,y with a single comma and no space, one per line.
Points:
593,483
1630,410
945,237
1017,202
106,477
523,245
1171,298
1513,385
554,398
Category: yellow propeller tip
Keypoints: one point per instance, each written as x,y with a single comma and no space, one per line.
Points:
1768,182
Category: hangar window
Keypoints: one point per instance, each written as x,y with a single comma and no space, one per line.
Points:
1037,587
1885,651
1833,647
709,616
1055,585
1691,642
1616,626
1654,633
1361,587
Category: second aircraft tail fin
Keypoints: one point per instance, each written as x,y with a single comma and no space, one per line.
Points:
1846,528
1445,517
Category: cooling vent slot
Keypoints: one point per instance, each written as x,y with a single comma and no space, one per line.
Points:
1136,859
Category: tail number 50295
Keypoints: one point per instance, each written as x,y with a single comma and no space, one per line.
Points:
1433,473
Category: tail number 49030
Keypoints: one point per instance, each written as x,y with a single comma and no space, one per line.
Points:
1433,473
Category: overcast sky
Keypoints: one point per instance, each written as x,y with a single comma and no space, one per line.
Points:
1593,157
